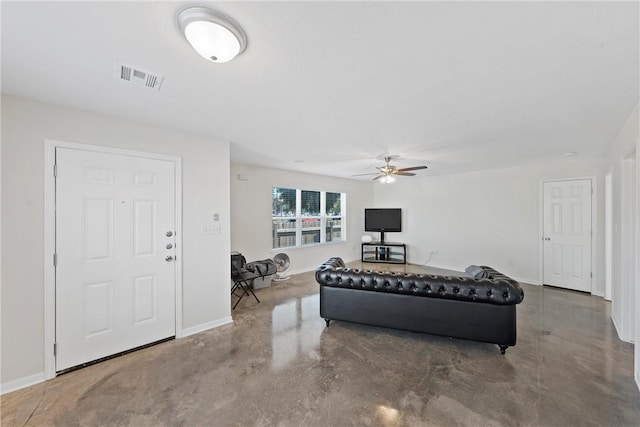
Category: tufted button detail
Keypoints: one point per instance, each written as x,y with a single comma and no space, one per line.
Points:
496,289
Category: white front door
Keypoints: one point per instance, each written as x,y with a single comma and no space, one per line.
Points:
567,234
115,227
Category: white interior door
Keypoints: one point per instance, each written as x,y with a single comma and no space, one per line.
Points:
567,234
115,289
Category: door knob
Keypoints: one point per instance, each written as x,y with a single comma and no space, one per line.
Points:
169,233
169,246
168,258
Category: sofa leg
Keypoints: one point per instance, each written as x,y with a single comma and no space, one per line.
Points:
327,322
503,349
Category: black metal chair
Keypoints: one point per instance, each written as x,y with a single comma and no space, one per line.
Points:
242,278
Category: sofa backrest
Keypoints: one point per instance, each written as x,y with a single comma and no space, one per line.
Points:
497,289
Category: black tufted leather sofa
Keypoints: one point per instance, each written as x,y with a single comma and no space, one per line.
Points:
460,307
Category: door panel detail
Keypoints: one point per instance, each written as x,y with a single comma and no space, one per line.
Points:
557,218
144,296
98,176
98,308
576,264
557,259
98,229
145,179
576,219
144,227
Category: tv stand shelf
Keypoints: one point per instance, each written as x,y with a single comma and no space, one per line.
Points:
388,252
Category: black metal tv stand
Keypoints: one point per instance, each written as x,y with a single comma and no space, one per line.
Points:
387,252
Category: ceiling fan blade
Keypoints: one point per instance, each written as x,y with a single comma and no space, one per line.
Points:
405,173
377,177
363,174
414,168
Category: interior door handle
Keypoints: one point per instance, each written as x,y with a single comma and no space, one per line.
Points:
168,258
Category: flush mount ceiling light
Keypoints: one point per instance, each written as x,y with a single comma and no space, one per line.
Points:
214,35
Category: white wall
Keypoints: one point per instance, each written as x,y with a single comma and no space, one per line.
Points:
625,303
485,218
251,213
205,179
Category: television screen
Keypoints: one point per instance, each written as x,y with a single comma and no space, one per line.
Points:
383,220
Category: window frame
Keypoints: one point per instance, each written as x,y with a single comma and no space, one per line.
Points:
323,218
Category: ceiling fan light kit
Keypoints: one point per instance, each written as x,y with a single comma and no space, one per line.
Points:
214,35
387,173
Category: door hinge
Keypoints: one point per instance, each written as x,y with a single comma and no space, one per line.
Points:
591,274
55,260
55,348
55,170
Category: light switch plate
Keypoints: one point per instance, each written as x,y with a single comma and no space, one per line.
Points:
208,230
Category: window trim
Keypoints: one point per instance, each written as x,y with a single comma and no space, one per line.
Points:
323,217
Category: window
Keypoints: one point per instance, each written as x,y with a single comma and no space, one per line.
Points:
306,217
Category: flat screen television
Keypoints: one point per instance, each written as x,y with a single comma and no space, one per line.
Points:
383,220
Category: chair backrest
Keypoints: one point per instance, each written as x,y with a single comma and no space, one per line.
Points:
237,262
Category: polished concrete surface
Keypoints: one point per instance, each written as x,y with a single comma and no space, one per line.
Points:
279,365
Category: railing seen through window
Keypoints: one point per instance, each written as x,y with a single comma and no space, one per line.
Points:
306,217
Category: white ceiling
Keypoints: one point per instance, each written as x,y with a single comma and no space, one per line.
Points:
456,86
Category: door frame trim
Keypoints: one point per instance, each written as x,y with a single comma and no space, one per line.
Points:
608,235
50,146
594,228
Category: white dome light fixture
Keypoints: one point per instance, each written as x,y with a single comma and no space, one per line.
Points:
214,35
388,179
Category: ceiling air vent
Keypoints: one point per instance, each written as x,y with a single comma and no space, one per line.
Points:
138,76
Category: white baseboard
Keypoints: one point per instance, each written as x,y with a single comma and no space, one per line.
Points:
534,282
206,326
298,271
21,383
311,268
615,325
598,293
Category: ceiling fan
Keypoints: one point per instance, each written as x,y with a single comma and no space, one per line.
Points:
386,173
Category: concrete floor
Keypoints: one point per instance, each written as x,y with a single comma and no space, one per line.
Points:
279,365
